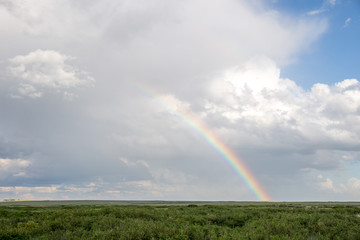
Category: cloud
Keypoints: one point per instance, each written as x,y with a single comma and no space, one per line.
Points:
331,2
252,106
327,184
46,70
266,119
255,92
347,22
185,45
351,187
316,12
116,142
269,120
39,19
13,167
327,4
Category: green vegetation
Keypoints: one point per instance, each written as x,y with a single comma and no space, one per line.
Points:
178,220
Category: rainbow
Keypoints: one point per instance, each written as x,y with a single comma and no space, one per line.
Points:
207,134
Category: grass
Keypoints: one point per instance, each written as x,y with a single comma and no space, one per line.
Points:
178,220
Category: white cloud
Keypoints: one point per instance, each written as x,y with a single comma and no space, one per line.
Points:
350,188
325,7
78,190
22,189
134,33
327,185
255,93
47,17
46,70
315,12
347,22
331,2
13,167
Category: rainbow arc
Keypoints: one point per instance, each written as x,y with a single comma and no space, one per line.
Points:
234,161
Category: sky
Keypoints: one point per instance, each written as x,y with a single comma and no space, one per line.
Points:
231,100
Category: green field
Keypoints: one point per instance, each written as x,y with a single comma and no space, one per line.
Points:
178,220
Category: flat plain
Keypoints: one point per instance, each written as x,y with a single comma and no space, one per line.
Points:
178,220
